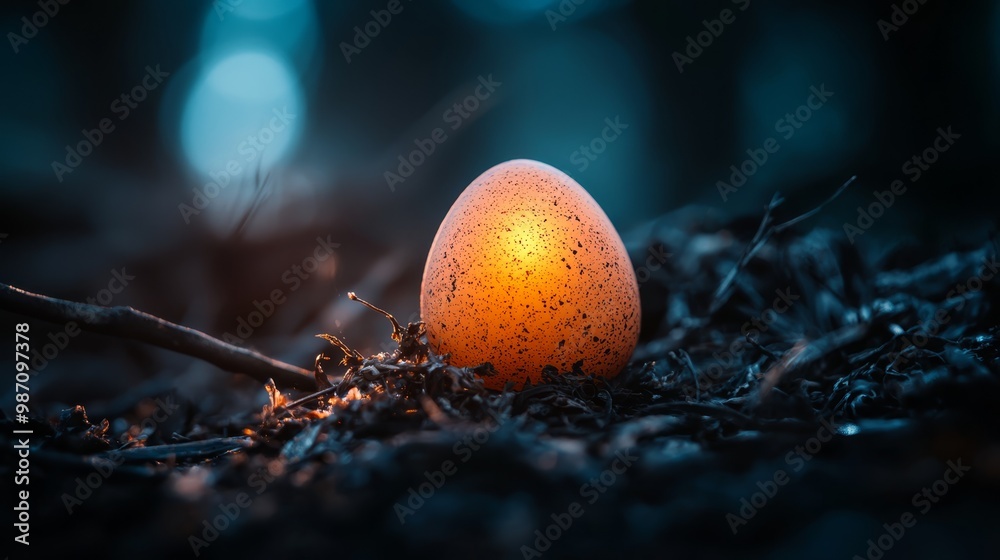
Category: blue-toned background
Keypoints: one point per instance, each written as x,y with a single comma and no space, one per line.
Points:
215,163
140,134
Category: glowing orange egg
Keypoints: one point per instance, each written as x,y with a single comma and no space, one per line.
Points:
526,271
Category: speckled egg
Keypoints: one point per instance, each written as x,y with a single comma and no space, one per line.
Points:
526,271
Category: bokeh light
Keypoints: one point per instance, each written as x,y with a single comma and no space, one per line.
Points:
245,107
286,29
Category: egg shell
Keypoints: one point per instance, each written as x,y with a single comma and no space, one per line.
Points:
526,271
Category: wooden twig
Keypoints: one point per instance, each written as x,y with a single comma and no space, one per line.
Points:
126,322
763,235
397,331
182,451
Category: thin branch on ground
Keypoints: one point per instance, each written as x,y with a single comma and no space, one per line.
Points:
763,235
126,322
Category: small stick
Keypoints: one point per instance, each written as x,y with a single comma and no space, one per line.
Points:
760,348
126,322
351,357
763,235
309,397
397,331
694,373
187,450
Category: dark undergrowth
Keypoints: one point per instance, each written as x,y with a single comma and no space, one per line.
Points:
791,394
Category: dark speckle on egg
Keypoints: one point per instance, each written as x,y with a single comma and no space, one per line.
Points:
526,246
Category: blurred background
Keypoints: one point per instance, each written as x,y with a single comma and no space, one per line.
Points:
239,166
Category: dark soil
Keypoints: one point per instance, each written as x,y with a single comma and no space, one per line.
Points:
868,377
